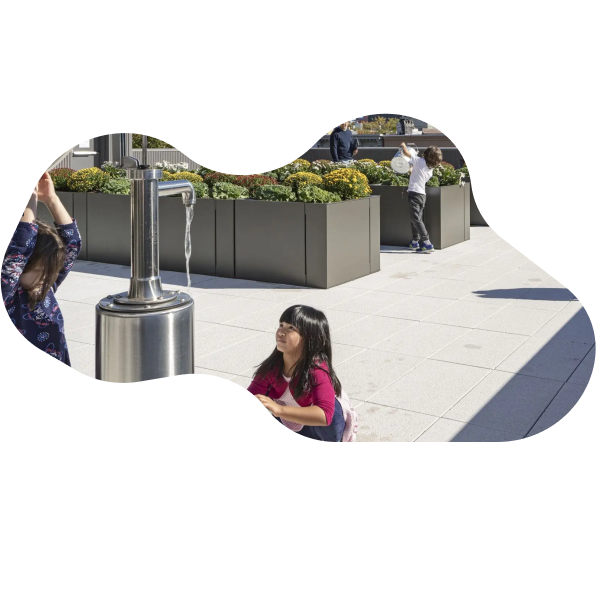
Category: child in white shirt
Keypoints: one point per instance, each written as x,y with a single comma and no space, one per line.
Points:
422,170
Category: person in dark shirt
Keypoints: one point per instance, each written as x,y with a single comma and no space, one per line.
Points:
37,260
341,143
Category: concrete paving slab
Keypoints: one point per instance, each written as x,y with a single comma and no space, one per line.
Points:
370,331
446,430
218,338
482,274
411,285
385,424
235,287
511,319
451,289
201,371
83,359
571,324
231,310
370,302
341,353
415,308
463,314
445,271
583,373
86,335
324,299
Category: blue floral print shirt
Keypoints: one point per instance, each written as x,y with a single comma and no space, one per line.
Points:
43,326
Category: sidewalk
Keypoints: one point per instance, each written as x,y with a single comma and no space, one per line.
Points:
471,343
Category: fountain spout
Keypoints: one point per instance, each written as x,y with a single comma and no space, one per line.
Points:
178,186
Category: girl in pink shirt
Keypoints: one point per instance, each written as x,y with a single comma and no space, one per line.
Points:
297,383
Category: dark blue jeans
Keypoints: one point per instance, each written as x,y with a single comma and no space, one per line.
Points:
327,433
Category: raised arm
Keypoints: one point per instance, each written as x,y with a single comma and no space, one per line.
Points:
30,212
65,225
49,197
19,250
405,150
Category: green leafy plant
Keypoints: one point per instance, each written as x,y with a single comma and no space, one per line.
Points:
87,180
347,183
253,182
433,182
385,163
312,193
322,167
204,171
202,190
228,191
448,176
60,178
276,193
465,171
117,185
112,170
296,166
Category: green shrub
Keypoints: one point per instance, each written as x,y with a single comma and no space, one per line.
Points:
117,185
276,193
204,171
228,191
87,180
113,171
60,178
312,193
296,166
465,171
322,167
433,182
202,189
385,163
448,176
253,182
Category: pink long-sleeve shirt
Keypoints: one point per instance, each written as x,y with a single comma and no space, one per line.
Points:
322,393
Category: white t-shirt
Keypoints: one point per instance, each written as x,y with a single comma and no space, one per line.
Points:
420,174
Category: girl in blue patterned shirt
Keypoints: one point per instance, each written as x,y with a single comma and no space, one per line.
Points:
37,260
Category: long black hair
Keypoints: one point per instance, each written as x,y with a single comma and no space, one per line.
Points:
313,327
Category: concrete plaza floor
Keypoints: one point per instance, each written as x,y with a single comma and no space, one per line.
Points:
471,343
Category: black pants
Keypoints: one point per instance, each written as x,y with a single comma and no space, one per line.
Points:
417,207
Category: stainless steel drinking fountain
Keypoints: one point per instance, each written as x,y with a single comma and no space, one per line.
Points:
148,332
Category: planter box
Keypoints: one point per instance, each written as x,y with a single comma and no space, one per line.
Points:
109,228
109,232
306,244
447,215
476,217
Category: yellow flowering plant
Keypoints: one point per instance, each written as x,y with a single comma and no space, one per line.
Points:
191,177
298,180
347,183
88,180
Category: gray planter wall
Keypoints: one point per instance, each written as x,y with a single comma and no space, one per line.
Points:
476,216
270,241
448,214
306,244
341,240
446,217
315,245
109,228
109,232
225,238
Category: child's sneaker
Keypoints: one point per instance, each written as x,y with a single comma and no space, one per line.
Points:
425,247
414,245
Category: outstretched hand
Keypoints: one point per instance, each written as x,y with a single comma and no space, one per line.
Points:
45,188
272,407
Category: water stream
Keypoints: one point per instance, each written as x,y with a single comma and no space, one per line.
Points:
189,215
